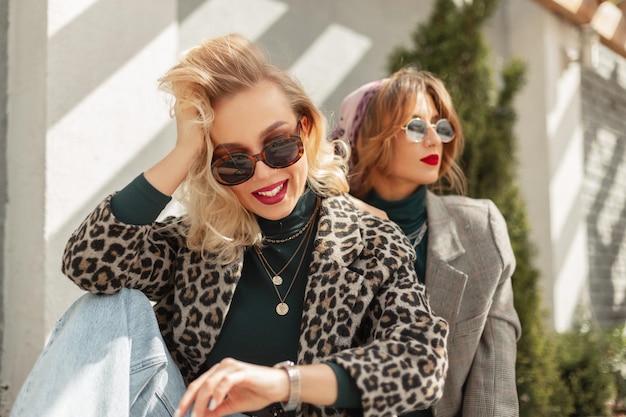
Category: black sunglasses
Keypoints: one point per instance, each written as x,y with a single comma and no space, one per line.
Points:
417,129
238,167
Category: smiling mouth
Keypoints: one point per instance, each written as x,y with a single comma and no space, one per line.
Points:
272,192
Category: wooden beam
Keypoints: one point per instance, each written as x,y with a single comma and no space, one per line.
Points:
579,12
610,23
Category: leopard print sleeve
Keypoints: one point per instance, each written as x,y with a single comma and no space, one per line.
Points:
104,255
398,358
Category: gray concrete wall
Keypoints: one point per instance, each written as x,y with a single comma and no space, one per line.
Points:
4,19
24,251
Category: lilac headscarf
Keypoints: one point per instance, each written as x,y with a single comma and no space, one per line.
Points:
351,114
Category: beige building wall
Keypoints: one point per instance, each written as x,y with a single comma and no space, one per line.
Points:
551,154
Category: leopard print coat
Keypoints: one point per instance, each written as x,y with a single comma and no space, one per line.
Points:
364,308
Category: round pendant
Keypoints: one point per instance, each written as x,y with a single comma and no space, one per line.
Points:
277,280
282,309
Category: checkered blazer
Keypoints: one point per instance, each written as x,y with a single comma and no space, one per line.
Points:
468,274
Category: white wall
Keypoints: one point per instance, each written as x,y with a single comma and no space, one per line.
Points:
551,165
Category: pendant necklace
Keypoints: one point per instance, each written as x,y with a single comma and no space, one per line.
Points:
276,277
282,307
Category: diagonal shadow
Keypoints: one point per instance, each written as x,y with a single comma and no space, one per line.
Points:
110,33
154,150
604,258
296,20
306,20
566,130
571,226
186,7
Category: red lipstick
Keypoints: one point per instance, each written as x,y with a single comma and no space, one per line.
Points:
272,194
432,159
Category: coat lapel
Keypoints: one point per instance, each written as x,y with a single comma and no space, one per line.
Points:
338,243
445,283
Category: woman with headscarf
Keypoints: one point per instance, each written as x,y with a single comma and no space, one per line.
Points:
405,136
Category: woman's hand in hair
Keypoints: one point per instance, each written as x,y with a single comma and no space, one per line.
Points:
172,170
189,130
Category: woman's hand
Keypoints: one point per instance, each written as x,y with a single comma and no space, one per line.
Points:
172,170
233,386
189,133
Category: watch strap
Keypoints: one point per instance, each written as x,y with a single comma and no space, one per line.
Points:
294,385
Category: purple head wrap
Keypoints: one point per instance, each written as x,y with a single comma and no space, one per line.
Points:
351,114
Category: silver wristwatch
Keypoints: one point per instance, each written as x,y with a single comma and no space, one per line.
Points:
294,385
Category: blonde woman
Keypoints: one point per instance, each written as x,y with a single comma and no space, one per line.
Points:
405,138
273,294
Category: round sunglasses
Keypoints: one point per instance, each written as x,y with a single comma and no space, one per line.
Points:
238,167
416,130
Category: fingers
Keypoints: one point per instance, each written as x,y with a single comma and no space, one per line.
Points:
232,386
214,391
192,391
189,129
210,390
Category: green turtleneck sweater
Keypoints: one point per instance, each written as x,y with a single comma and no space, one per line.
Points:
410,214
253,331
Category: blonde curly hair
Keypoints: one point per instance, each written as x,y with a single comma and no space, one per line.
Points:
216,69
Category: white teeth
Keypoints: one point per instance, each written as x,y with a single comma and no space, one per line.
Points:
273,192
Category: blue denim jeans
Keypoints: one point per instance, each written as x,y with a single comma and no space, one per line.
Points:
105,358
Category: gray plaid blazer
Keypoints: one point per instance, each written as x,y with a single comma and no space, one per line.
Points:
468,275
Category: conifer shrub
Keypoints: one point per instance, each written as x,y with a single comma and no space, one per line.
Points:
592,366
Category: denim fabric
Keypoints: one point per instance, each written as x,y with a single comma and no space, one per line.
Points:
105,358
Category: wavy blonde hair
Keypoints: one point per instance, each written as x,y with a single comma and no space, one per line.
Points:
216,69
388,110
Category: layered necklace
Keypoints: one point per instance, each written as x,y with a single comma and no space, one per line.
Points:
275,278
299,232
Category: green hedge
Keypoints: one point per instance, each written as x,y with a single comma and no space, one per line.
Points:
592,368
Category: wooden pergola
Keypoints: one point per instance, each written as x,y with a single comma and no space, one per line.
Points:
607,18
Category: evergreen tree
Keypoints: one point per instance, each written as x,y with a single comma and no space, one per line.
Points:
451,45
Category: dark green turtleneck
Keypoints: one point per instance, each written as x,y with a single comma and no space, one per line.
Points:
410,214
253,331
270,338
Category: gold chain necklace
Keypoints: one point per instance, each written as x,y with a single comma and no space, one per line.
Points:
282,307
276,276
299,232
